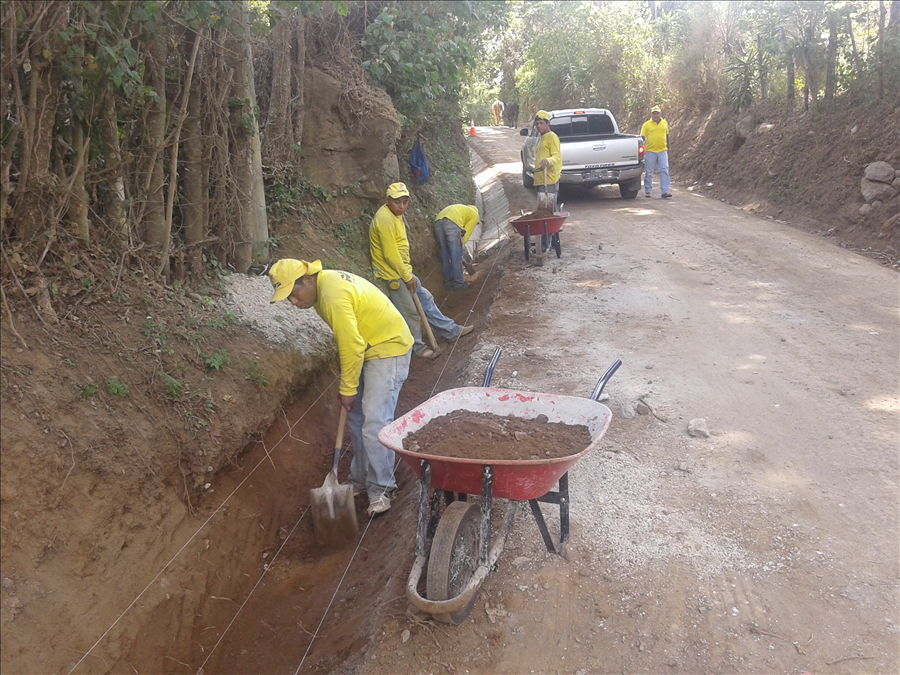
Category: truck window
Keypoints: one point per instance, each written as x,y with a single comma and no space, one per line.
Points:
570,128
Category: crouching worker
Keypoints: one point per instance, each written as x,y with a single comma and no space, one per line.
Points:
374,344
452,229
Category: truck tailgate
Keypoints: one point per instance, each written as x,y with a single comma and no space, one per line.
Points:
603,152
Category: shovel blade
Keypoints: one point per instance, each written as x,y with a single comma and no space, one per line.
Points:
545,201
334,513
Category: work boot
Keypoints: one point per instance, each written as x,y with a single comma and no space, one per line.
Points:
466,330
666,195
427,353
378,505
647,195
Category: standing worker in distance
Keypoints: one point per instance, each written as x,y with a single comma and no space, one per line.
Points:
547,155
452,229
374,347
390,257
656,154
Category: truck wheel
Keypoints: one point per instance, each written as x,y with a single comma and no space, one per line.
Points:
528,181
626,193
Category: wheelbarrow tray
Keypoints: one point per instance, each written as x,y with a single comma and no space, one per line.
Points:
535,227
513,479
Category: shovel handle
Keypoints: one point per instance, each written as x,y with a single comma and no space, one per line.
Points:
425,325
342,421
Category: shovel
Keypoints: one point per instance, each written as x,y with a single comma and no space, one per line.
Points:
545,199
333,511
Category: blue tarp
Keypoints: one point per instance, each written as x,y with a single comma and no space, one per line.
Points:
418,163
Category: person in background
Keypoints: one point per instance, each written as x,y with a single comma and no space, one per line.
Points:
547,155
374,345
452,229
656,155
390,257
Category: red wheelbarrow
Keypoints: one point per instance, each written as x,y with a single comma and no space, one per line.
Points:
456,546
547,229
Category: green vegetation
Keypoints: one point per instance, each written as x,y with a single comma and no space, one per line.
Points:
217,360
690,56
255,373
116,388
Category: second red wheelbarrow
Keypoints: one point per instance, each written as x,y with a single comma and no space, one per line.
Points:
455,545
546,233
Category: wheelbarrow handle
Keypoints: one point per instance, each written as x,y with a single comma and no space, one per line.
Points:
603,380
490,369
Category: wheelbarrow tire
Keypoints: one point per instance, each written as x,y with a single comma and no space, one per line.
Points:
556,245
454,557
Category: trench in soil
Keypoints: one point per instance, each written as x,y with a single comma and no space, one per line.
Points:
262,595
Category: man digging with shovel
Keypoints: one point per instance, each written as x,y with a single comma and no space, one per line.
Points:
374,347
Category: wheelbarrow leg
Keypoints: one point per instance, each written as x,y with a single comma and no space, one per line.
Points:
561,498
429,511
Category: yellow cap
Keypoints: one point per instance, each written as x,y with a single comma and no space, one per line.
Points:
542,115
655,109
286,271
397,190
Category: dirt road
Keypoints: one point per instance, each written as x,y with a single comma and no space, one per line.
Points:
770,546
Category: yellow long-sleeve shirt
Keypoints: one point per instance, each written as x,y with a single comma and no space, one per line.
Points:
548,148
365,323
389,246
464,216
656,135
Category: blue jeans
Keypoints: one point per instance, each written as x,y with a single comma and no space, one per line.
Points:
449,238
660,162
376,400
446,328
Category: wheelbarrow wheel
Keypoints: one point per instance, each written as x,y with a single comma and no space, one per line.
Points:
454,557
554,242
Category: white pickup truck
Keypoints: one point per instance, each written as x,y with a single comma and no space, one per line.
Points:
593,151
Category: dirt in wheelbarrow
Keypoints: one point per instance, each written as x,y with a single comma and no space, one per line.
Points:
470,435
535,215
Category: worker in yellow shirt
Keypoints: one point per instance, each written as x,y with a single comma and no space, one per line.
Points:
452,229
547,155
656,152
373,344
390,257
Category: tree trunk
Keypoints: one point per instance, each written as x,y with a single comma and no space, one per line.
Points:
154,212
37,189
279,130
831,58
882,12
246,156
173,163
78,196
761,65
8,47
857,61
241,152
791,80
113,179
195,207
298,69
